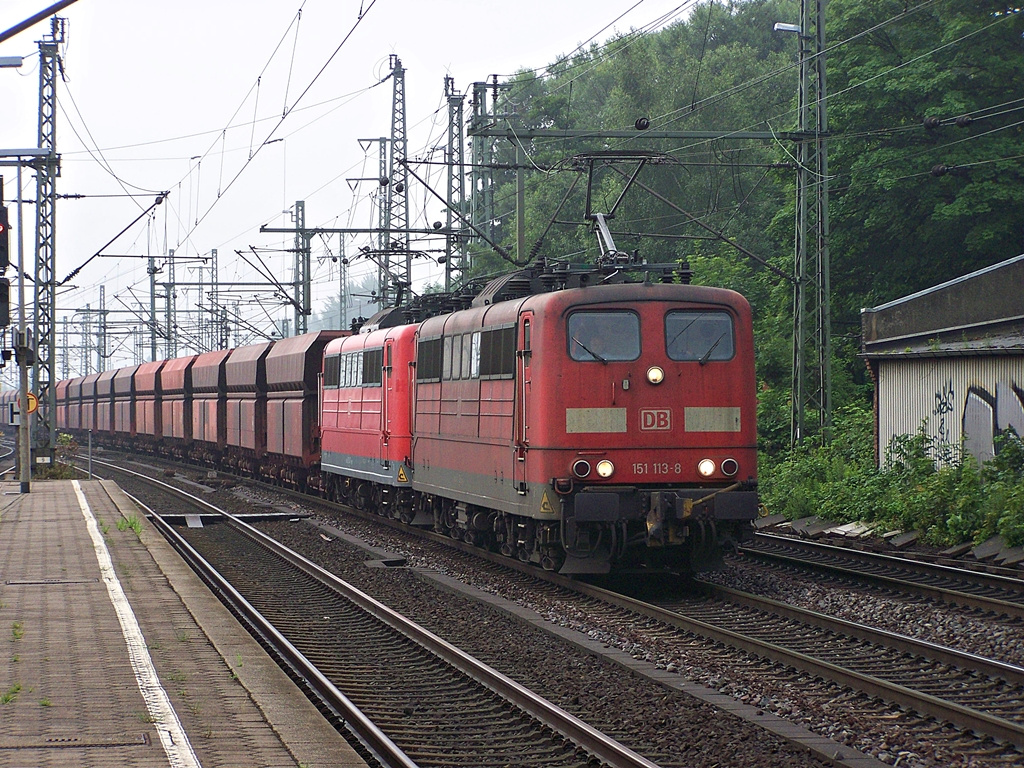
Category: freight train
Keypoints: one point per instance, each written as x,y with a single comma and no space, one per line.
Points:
600,426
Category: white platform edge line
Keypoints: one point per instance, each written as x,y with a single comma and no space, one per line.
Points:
172,736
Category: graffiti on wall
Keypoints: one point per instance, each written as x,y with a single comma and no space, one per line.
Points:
943,407
986,414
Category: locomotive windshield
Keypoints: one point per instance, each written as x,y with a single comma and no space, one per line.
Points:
604,336
699,336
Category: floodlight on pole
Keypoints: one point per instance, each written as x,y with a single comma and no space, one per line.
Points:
781,26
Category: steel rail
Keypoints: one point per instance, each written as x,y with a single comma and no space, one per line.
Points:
598,744
981,722
943,594
961,659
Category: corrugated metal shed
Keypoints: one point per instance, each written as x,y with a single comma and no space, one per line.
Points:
950,360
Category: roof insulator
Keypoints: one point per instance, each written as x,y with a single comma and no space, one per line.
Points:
963,121
940,170
932,122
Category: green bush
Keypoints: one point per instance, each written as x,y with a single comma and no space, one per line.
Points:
923,485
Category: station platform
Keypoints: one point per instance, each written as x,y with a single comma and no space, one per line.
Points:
114,653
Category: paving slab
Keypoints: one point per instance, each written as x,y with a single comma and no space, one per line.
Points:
769,521
989,549
904,540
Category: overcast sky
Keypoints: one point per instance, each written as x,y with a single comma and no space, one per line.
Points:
164,96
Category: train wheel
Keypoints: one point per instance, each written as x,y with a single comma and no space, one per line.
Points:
450,521
552,559
362,497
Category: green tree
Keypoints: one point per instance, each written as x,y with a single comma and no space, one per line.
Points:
898,228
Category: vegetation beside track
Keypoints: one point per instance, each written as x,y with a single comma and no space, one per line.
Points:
950,501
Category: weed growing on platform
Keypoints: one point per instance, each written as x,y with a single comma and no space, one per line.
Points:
17,630
10,694
45,702
57,472
237,666
133,522
145,717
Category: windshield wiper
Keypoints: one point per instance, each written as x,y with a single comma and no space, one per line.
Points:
707,354
685,328
589,351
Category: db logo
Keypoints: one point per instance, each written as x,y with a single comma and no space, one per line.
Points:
653,419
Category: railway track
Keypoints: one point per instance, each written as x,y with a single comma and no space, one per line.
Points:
942,685
980,696
997,594
412,698
974,692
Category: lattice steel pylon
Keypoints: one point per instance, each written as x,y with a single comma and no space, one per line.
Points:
481,168
812,334
455,245
302,268
396,253
44,317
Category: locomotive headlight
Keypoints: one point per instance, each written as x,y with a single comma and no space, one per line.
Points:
706,467
605,468
730,467
581,468
655,375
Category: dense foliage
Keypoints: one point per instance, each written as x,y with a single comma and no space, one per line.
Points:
949,503
896,228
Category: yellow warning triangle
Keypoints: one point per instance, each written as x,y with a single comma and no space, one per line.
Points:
545,505
402,477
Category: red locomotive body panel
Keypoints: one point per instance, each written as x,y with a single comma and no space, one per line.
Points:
464,407
209,396
657,433
366,406
148,395
246,378
175,385
124,397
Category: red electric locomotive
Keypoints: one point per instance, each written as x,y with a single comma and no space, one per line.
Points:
601,427
365,418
